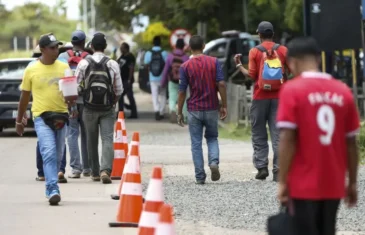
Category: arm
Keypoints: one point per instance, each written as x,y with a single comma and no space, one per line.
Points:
221,89
117,84
251,72
22,106
26,88
131,69
147,59
183,85
287,148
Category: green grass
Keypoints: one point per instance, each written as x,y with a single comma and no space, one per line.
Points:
235,132
18,54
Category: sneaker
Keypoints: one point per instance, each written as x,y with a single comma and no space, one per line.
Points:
61,178
262,174
75,176
105,178
54,198
157,116
40,178
86,174
200,182
95,178
215,173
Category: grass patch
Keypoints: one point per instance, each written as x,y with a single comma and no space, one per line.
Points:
235,132
18,54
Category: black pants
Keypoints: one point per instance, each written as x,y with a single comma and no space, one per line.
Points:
315,217
128,90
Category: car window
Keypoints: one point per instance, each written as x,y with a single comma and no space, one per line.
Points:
247,45
13,69
218,50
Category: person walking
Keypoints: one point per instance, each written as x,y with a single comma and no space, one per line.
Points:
171,76
155,60
267,68
101,87
49,110
73,57
318,122
126,63
204,76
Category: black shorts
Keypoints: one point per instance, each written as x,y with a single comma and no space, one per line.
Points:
315,217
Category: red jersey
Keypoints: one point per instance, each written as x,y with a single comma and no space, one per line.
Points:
255,57
324,113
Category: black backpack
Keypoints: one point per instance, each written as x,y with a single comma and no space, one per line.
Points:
157,63
98,91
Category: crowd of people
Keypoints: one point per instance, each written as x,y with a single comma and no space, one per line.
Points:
312,118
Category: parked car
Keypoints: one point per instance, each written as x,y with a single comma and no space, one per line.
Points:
143,76
11,74
232,42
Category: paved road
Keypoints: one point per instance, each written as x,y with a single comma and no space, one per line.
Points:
86,208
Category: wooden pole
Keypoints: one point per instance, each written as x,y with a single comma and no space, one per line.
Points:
323,61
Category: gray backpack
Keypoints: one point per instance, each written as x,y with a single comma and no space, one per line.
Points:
98,91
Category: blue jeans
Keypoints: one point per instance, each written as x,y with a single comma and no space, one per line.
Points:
197,121
40,162
73,144
51,146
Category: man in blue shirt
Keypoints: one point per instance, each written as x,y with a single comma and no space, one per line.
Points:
155,59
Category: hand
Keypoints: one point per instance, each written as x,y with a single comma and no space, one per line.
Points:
351,197
283,194
180,120
19,129
25,119
223,113
237,59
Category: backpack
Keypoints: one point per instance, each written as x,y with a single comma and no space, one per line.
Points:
157,63
98,91
271,69
75,58
177,61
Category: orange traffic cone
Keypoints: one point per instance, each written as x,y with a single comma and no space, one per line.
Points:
154,201
166,224
120,148
131,200
134,142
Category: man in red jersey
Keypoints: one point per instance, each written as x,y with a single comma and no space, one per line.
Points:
318,123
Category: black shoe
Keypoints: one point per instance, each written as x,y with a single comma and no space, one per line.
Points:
262,174
275,176
157,116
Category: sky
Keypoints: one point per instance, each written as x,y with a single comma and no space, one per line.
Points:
73,12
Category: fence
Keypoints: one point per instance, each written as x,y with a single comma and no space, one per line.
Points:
239,100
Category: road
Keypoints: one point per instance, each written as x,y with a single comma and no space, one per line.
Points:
237,205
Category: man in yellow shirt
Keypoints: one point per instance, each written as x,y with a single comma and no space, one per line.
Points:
49,110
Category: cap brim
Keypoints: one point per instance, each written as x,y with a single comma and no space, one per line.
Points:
55,43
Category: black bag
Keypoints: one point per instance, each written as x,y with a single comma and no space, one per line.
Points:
55,121
281,223
98,93
157,63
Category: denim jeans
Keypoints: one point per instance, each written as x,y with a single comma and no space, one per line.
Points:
73,144
51,146
197,121
40,162
105,120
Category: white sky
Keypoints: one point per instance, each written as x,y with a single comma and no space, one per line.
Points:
72,6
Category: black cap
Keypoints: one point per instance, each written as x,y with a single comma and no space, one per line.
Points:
49,40
99,39
265,27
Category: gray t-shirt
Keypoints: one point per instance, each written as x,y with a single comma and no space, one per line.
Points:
64,57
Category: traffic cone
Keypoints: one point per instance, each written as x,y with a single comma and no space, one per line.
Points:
131,200
134,142
120,148
166,223
154,201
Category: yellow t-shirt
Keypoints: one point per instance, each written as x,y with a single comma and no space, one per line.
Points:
42,81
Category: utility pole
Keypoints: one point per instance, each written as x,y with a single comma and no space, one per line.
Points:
245,14
84,15
93,15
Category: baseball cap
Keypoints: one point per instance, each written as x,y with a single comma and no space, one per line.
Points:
78,36
265,27
98,39
49,40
